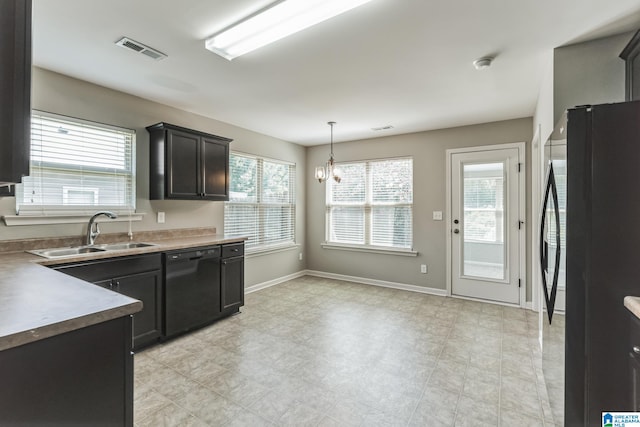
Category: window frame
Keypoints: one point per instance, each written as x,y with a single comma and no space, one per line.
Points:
261,206
368,207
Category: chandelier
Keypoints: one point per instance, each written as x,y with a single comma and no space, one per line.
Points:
329,170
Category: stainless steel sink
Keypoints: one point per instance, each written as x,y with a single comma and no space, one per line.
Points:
62,252
80,250
124,245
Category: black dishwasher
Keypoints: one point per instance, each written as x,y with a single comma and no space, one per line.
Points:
192,289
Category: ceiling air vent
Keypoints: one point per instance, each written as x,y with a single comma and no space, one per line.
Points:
141,48
387,127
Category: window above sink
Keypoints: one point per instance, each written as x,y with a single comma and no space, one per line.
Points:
77,167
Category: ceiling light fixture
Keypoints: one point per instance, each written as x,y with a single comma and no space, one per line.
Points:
483,63
282,18
330,170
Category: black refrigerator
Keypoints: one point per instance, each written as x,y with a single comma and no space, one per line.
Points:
602,259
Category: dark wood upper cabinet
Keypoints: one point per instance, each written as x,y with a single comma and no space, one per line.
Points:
187,164
15,89
631,56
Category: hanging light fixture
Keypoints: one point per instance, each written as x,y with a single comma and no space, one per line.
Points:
330,170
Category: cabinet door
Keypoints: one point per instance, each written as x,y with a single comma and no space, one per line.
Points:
79,378
146,287
183,165
232,284
215,169
634,377
15,87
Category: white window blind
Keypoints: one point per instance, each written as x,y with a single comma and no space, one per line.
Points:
372,205
77,166
261,202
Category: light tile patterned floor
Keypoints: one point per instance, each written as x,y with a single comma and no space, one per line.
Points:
320,352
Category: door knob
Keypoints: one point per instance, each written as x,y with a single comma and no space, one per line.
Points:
455,221
455,230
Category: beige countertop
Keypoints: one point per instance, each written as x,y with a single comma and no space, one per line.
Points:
633,305
37,302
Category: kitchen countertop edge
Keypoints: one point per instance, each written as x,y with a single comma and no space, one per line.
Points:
632,304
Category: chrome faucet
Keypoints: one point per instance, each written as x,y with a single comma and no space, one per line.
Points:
92,230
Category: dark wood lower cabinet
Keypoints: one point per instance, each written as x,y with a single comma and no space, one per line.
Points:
79,378
143,277
146,287
138,277
232,284
634,363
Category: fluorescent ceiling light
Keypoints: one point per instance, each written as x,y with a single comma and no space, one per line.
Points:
281,19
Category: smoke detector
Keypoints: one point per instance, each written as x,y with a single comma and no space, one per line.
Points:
483,63
138,47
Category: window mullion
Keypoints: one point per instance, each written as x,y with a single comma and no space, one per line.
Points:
368,205
259,198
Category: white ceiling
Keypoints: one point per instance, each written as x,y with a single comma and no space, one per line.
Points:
405,63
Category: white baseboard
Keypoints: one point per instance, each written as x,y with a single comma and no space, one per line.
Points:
274,282
382,283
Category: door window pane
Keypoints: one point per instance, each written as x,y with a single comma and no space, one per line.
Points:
483,222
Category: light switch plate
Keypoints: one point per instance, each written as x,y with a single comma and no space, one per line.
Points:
160,217
437,215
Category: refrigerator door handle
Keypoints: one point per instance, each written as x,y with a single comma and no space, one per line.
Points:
550,296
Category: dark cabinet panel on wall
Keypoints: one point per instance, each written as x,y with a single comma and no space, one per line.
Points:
631,56
138,277
187,164
15,89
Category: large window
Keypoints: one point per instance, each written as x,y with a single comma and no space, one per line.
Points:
373,205
77,167
262,202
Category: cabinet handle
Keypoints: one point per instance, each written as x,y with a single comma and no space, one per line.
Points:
636,349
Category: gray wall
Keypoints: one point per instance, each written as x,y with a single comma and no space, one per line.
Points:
64,95
588,73
428,152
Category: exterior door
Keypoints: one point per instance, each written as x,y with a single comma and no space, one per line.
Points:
485,224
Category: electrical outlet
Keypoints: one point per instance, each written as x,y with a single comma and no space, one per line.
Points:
423,268
300,256
160,217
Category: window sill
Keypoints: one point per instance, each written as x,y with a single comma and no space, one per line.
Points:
370,249
14,220
249,253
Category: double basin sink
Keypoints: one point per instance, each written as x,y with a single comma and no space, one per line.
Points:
80,250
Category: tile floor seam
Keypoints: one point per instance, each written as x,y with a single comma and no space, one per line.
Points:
172,401
426,384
